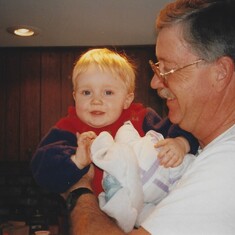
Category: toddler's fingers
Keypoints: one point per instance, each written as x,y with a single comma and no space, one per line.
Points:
77,134
177,163
91,134
165,159
86,137
171,159
162,152
161,143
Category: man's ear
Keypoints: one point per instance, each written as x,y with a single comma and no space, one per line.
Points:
129,99
225,70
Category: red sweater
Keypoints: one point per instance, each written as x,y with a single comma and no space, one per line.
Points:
72,123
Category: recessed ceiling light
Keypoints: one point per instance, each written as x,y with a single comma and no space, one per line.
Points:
23,30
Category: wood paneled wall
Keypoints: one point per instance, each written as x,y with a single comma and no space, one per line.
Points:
36,90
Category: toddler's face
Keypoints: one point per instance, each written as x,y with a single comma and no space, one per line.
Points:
100,98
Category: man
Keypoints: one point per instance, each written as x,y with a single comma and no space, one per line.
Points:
195,48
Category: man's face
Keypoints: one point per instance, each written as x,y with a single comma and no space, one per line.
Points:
191,89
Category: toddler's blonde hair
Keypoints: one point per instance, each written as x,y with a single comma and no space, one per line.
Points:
107,60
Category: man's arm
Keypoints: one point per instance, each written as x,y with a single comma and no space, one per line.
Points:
86,218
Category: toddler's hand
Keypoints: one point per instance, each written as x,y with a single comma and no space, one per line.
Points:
172,151
82,157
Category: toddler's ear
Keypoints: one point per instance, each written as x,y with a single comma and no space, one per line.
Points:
74,95
129,99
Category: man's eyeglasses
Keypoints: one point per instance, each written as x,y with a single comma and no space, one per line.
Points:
163,76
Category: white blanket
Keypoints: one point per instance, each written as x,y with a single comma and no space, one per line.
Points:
132,161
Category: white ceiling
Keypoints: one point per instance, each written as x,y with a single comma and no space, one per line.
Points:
80,22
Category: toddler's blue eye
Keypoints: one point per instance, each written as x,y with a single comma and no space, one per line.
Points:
86,92
108,92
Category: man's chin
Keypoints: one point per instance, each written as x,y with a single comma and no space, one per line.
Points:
174,119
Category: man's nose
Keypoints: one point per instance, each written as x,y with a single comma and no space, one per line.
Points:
156,82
